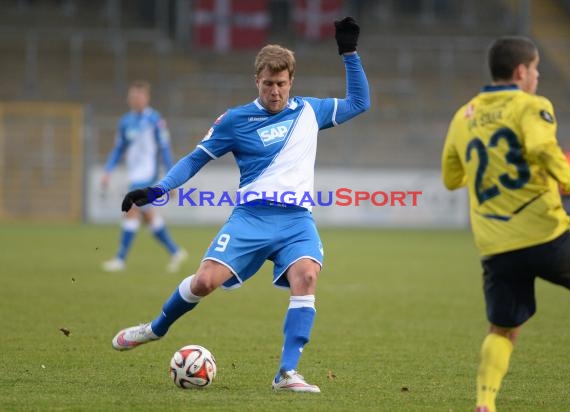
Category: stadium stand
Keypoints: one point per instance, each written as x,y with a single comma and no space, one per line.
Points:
423,59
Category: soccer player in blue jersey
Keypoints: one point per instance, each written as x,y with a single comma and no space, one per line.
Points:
274,142
502,145
142,135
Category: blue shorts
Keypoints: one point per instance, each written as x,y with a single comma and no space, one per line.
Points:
508,279
254,234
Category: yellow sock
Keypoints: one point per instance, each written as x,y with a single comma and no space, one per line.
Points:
495,354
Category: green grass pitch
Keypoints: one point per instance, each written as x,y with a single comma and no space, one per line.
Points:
400,319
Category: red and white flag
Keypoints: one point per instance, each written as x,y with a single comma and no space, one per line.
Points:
314,18
230,24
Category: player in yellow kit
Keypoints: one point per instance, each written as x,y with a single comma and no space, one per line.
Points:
502,145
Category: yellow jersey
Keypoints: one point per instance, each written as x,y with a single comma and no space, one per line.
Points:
503,146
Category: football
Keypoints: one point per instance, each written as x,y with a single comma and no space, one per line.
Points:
193,366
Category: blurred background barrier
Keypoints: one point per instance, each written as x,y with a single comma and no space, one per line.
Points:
335,199
423,58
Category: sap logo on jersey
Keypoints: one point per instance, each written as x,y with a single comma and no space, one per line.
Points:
274,133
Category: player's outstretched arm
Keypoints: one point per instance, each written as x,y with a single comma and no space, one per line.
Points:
357,98
346,35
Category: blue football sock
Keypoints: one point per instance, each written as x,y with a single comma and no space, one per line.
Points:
297,330
127,237
181,301
162,235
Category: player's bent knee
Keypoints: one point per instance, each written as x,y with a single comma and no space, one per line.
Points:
309,278
203,285
209,277
303,281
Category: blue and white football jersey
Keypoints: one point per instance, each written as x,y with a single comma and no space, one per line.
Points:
142,136
275,152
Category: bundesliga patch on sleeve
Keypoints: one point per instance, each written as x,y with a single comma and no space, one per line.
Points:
546,116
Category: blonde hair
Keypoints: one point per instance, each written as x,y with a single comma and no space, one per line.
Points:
276,59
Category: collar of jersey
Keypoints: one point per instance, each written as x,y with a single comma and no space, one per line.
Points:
291,104
499,88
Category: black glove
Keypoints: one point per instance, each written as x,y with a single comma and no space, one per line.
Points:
141,197
346,34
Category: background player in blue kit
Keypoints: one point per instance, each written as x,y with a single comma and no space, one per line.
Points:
274,142
142,134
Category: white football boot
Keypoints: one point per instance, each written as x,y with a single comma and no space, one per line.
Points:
176,260
292,381
134,336
114,265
